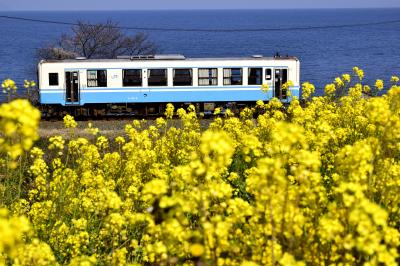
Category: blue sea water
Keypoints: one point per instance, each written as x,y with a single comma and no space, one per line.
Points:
324,53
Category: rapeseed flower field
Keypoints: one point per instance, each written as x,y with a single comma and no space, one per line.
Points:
313,183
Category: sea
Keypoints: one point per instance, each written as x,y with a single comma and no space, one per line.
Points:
328,42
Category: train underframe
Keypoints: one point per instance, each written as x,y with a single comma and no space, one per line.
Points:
140,110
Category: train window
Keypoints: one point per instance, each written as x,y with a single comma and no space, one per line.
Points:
208,76
268,74
232,76
132,77
97,78
255,76
182,77
157,77
53,79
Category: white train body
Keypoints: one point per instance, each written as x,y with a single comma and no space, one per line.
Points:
164,79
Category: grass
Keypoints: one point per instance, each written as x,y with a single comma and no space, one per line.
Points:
111,128
108,128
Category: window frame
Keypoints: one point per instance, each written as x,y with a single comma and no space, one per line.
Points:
149,77
259,76
232,76
99,83
50,79
209,77
174,76
125,83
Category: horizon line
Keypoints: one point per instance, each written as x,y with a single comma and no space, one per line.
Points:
192,9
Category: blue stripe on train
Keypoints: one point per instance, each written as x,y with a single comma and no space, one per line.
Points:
145,96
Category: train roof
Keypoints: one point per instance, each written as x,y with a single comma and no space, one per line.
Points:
164,57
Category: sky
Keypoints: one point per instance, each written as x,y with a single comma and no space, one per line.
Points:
189,4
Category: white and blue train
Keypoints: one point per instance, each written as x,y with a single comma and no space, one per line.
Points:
144,84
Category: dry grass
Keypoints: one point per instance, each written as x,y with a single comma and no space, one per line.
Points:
109,128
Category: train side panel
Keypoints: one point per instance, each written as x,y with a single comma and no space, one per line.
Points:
55,77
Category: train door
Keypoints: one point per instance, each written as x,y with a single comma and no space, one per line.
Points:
268,78
280,78
72,88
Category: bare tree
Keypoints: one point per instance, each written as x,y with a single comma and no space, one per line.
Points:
102,40
55,52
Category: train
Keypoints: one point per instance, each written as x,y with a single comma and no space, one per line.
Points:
143,85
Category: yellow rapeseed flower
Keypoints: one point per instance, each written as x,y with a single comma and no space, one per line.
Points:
358,73
324,175
339,82
346,78
379,84
69,121
92,130
307,90
196,250
217,111
394,79
330,89
29,84
169,112
265,87
8,85
19,121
